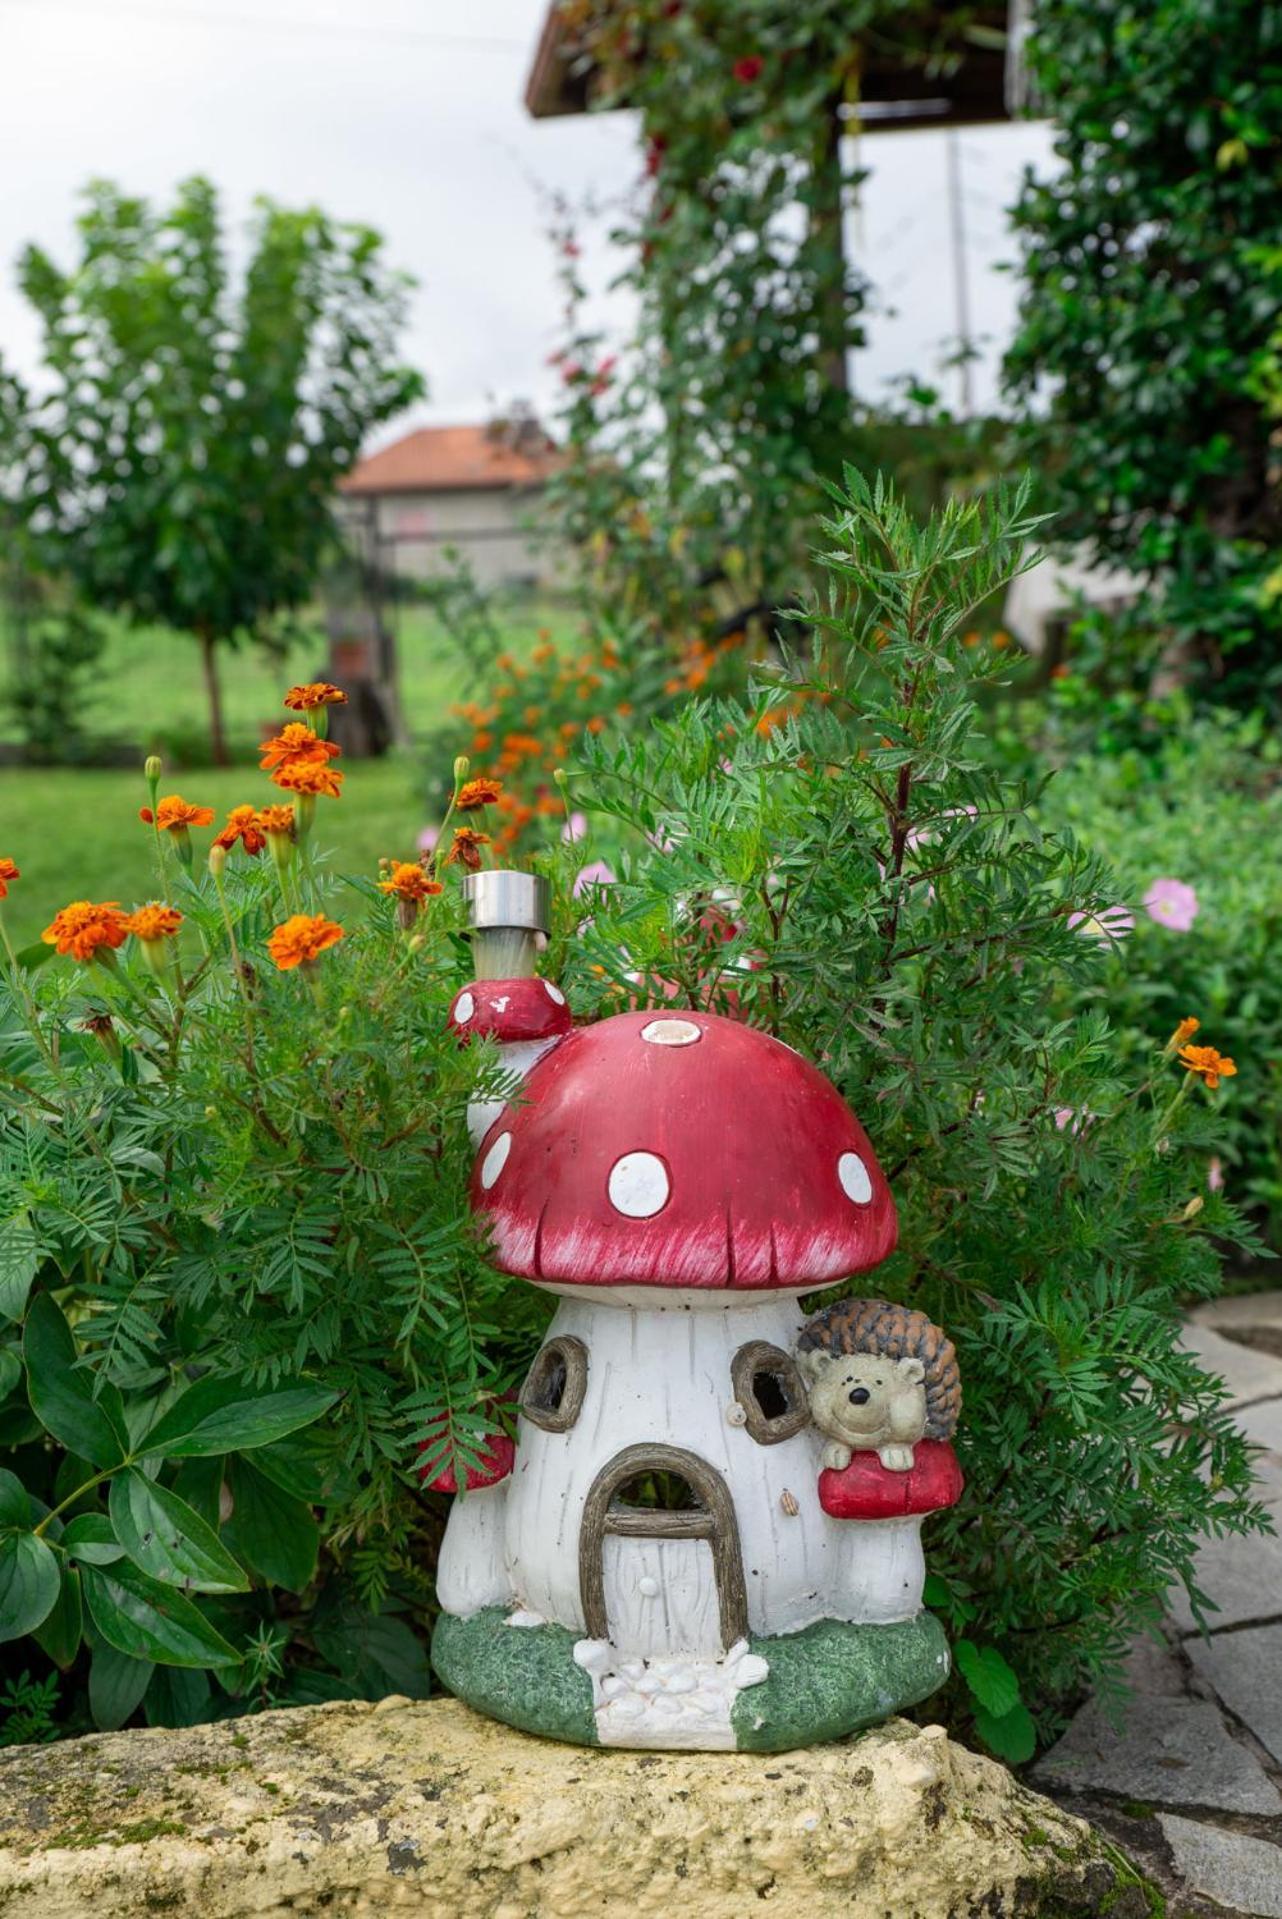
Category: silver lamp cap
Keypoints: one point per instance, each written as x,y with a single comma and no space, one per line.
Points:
502,898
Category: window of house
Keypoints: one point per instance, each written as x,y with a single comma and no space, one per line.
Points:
769,1387
552,1396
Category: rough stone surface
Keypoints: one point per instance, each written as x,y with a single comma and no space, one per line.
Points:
1241,1575
427,1809
1235,1870
1248,1373
1243,1316
1245,1670
1164,1752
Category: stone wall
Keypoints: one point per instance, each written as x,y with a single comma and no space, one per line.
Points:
429,1810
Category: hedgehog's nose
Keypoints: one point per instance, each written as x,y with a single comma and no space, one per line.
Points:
860,1396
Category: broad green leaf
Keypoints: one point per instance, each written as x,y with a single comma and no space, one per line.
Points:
139,1616
993,1684
35,955
60,1634
177,1696
1011,1735
168,1538
91,1539
275,1532
15,1504
200,1483
228,1415
19,1264
62,1398
28,1584
116,1686
10,1370
376,1651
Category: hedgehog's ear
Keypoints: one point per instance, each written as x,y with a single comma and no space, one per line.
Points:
812,1363
912,1370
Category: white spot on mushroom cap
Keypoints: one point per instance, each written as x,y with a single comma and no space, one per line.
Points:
464,1007
495,1160
855,1181
554,993
671,1032
638,1185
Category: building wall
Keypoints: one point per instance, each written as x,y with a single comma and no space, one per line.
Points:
497,533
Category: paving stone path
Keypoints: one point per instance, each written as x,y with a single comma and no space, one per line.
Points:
1190,1780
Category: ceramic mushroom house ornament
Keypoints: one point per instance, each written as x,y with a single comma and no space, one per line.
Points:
710,1534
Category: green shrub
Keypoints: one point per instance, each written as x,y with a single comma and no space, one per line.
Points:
232,1200
896,911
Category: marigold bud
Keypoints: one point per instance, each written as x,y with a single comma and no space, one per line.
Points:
1194,1207
460,766
217,860
153,767
211,1112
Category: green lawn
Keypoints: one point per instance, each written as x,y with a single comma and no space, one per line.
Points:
77,835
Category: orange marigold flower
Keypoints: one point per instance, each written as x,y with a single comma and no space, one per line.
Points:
1209,1065
154,922
477,793
1184,1032
8,872
243,824
296,742
309,776
174,813
302,938
82,928
277,819
465,849
305,699
409,881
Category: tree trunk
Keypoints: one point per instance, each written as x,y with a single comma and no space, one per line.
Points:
827,233
209,661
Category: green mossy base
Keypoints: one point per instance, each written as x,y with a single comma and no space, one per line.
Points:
833,1679
825,1682
523,1675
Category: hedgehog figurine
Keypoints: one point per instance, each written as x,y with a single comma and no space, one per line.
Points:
879,1379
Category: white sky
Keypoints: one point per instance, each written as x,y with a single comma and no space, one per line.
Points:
407,114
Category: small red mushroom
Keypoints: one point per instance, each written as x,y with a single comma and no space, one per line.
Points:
493,1463
679,1148
865,1489
510,1010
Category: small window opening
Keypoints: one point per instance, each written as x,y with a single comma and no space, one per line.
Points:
657,1492
552,1396
771,1391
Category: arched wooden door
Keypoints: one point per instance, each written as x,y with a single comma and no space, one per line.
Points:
661,1582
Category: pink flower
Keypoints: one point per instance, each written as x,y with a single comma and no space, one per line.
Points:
1173,904
1215,1174
1113,923
596,874
575,828
1071,1117
924,835
427,839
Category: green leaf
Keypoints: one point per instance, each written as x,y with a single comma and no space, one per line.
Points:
19,1264
229,1415
275,1532
36,955
10,1370
200,1483
28,1584
1011,1735
991,1681
116,1686
177,1697
91,1539
168,1538
376,1651
139,1616
62,1397
60,1634
15,1505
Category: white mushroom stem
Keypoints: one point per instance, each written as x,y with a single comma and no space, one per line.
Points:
880,1570
471,1572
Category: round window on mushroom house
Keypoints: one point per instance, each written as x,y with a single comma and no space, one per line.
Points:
771,1391
552,1396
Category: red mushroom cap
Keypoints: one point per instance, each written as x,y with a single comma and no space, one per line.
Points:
866,1489
681,1149
510,1009
493,1464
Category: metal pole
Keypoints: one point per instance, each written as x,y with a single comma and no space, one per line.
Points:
961,287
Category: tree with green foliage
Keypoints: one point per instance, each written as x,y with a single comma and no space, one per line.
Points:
180,460
857,878
1147,350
